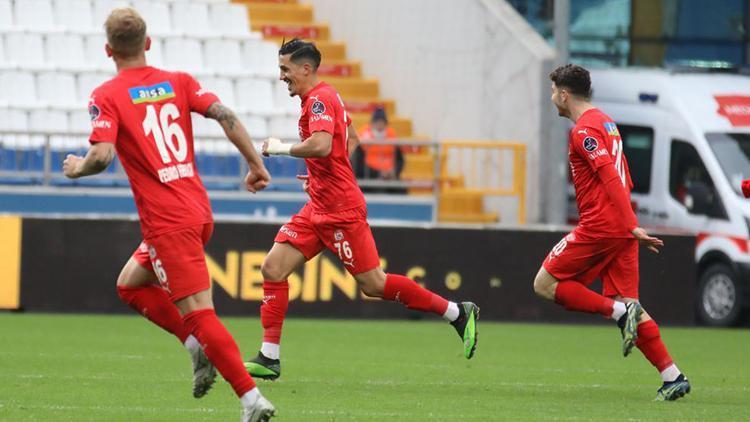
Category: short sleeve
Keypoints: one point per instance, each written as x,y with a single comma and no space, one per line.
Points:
589,143
104,118
322,113
198,98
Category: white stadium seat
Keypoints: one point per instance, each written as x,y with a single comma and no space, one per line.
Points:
255,96
48,121
96,56
6,15
156,15
192,19
79,121
13,120
103,7
87,82
155,55
256,126
222,87
224,56
284,127
76,16
229,19
34,15
282,100
58,89
261,58
183,54
67,51
18,89
203,127
26,50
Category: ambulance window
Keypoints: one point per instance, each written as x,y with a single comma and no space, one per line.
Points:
689,178
638,144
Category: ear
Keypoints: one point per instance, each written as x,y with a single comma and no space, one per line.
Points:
148,44
108,50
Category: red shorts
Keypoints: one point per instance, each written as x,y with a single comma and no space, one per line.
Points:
344,233
178,260
584,259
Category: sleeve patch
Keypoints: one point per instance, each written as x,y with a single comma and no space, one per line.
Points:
318,107
590,144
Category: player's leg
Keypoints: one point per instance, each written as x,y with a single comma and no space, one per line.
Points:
620,280
295,243
179,262
281,261
567,271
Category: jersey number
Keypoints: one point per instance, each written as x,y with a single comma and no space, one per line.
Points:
166,131
619,162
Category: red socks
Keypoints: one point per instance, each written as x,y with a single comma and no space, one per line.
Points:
220,348
153,303
273,309
650,344
574,296
405,290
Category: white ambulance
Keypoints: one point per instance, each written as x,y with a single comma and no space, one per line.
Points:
687,139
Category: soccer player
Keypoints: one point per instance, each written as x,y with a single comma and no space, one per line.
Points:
143,113
605,242
334,218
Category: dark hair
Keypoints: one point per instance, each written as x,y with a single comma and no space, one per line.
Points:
379,114
301,51
574,78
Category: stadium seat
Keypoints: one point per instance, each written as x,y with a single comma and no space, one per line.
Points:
284,127
51,121
87,82
103,7
30,154
192,18
156,15
13,120
256,126
67,52
35,15
229,19
79,121
75,16
255,96
6,16
96,56
26,50
261,58
282,100
184,54
58,89
222,87
224,56
203,127
18,89
155,55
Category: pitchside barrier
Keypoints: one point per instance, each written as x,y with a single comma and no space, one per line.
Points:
70,265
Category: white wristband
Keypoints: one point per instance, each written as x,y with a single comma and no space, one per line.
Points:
276,147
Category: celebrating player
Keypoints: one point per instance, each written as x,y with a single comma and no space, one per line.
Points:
143,113
605,242
334,218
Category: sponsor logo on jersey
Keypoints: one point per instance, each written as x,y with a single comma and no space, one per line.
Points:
288,232
611,129
596,154
338,235
590,144
318,107
319,117
151,94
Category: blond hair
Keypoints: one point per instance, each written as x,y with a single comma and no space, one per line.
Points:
126,32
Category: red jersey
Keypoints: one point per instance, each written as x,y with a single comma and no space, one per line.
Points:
596,142
333,186
145,112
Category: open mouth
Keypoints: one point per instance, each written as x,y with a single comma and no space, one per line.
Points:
288,84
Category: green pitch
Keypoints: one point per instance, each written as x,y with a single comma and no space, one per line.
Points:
121,368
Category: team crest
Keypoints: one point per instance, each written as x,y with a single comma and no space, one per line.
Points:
94,111
590,144
318,107
338,235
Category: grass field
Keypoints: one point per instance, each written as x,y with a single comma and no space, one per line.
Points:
120,368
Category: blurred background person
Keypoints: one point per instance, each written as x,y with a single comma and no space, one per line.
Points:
378,162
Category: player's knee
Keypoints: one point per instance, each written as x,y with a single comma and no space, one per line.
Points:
271,270
372,290
543,288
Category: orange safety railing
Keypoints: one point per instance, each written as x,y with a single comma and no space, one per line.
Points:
484,167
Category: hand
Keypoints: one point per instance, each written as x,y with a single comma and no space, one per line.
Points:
70,166
305,181
652,243
274,146
257,179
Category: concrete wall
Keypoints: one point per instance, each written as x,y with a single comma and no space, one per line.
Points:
470,69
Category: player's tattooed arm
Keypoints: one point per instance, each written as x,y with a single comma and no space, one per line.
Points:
222,114
97,159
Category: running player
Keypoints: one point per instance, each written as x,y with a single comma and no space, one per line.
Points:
143,113
334,218
605,242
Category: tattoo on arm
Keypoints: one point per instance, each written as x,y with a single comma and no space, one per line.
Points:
222,114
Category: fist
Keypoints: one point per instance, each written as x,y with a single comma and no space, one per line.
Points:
70,166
